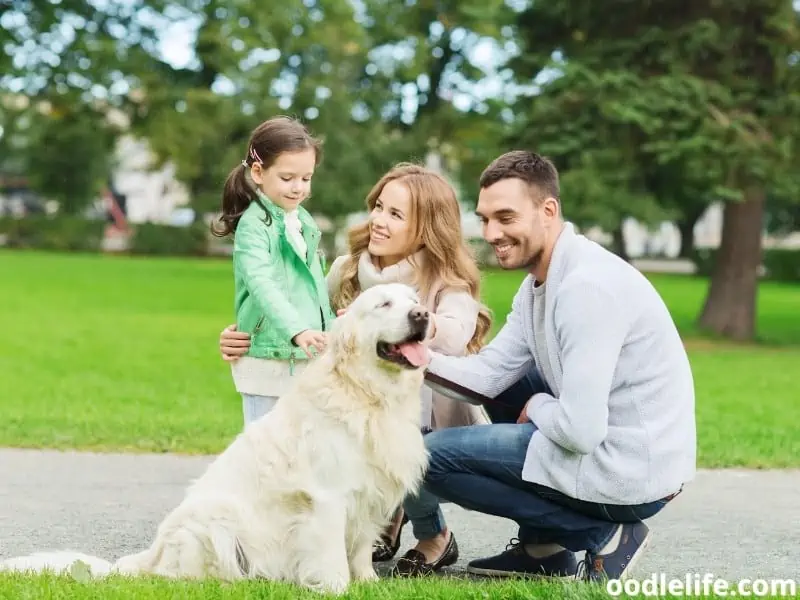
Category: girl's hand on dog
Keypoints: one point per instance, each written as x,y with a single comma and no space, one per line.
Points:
310,339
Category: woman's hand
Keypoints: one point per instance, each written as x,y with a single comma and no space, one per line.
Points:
233,344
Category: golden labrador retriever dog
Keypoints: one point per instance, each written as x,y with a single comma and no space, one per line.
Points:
301,494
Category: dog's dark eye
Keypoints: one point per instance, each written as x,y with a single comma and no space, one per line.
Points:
386,304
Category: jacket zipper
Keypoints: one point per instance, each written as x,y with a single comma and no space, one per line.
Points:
314,235
319,253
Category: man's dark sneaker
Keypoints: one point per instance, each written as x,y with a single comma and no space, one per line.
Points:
618,563
515,562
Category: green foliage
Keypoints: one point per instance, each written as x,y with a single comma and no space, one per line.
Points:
475,142
377,80
783,215
708,95
70,233
319,55
205,141
68,50
782,264
779,264
673,107
374,80
61,233
167,240
68,155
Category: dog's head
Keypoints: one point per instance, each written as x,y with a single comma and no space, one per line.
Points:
386,325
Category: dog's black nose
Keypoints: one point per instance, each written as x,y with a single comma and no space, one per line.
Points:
418,316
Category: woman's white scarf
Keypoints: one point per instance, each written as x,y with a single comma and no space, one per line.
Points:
403,272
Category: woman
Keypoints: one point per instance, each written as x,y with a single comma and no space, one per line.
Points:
413,235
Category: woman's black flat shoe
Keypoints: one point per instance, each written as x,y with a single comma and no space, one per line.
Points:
412,563
385,548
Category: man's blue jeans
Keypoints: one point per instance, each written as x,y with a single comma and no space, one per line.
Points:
480,468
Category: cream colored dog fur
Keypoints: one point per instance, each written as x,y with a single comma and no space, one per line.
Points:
301,494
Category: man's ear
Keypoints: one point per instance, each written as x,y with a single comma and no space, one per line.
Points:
550,208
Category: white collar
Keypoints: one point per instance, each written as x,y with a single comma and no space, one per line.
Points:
402,272
292,219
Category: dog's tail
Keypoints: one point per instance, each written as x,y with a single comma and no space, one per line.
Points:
186,553
60,562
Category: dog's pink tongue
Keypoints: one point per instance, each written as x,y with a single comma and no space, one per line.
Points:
415,353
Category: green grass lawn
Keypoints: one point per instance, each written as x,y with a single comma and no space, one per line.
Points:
118,353
440,588
114,353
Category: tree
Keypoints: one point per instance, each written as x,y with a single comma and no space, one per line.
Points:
305,59
707,90
68,156
596,148
425,57
344,68
77,51
68,64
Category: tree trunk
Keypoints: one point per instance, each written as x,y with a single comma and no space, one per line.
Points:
618,243
686,228
730,307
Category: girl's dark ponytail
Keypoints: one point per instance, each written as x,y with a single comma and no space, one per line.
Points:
268,141
236,197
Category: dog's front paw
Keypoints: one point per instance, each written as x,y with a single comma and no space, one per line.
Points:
367,574
335,585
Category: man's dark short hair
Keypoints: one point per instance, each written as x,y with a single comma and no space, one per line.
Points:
535,170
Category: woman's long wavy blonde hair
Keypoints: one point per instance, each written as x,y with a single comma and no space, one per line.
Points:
435,219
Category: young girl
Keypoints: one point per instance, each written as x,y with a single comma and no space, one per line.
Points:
281,296
413,235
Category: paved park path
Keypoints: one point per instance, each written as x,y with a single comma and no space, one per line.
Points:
734,524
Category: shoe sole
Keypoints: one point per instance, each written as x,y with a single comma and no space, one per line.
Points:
509,574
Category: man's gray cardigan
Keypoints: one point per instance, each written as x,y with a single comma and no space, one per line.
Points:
620,427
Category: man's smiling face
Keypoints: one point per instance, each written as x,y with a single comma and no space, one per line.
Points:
515,223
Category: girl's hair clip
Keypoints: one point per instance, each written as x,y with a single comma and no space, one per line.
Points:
244,163
254,155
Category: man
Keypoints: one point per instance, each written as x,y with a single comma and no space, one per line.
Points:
597,437
589,389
